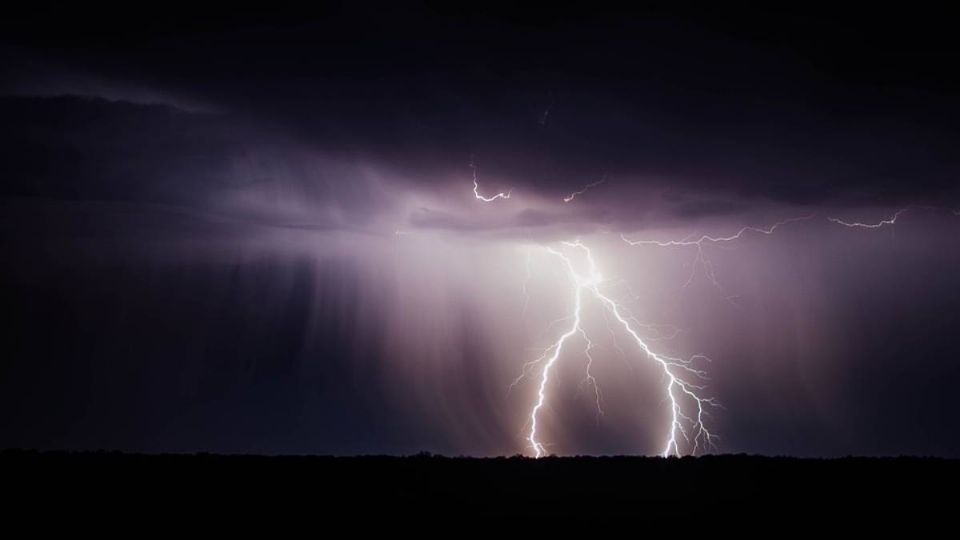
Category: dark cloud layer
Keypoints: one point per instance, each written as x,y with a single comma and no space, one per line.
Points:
792,107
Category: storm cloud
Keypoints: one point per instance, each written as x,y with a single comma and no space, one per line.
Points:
259,233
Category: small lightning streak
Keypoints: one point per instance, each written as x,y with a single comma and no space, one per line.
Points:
584,189
685,423
476,189
589,378
717,239
701,260
892,220
523,286
546,113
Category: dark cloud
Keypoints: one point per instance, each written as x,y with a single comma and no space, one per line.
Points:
71,148
743,104
694,209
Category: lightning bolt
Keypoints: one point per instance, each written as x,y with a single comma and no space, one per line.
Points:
584,189
476,188
683,386
688,409
554,354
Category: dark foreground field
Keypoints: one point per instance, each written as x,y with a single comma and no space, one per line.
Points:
164,486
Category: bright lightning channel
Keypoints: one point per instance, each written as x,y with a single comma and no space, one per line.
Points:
680,391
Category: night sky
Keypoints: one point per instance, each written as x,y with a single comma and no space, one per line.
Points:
242,231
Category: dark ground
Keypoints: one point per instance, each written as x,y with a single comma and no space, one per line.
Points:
107,485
